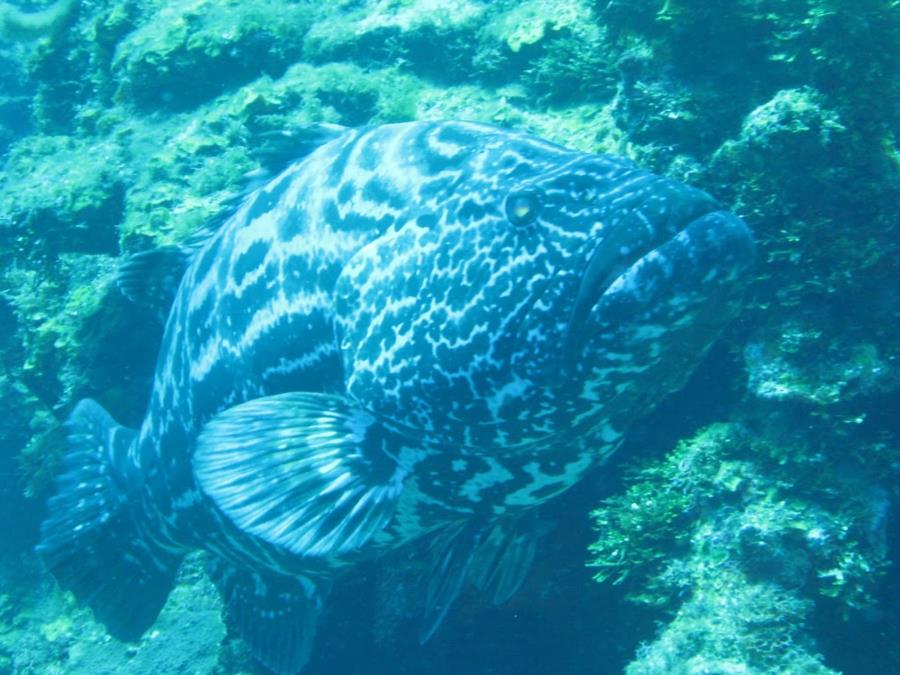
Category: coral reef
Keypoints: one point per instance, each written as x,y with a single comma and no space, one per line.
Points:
753,522
732,625
189,51
749,532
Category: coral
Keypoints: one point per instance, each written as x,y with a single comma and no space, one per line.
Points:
399,33
528,23
49,311
191,50
47,633
73,334
71,199
788,149
732,625
741,525
15,100
800,361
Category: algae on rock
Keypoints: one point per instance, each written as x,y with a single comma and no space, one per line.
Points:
738,535
192,50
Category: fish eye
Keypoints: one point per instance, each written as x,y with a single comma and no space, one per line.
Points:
523,206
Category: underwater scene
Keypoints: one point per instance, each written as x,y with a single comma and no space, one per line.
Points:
399,337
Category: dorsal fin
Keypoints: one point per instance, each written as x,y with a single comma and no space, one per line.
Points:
276,150
151,278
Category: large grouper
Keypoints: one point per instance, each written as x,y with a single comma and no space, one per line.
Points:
419,330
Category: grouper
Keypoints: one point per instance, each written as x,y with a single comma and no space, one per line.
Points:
416,332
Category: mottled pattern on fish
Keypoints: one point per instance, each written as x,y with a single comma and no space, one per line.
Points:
486,312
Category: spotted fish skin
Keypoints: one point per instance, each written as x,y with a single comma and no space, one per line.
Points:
440,324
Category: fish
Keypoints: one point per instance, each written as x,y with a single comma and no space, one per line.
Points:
415,334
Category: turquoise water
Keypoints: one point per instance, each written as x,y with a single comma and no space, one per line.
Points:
747,523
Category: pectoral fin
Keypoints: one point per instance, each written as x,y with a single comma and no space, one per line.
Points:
306,471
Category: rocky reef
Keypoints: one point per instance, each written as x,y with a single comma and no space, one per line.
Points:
745,528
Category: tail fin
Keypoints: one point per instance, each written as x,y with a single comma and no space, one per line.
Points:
89,539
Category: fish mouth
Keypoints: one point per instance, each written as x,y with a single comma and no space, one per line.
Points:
713,243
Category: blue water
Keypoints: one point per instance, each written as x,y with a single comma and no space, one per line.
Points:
127,125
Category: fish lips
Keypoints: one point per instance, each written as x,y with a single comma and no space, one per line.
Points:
702,269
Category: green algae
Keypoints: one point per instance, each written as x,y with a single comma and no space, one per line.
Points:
738,536
52,635
528,23
190,51
732,625
71,199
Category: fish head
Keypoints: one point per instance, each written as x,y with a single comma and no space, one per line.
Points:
648,271
544,292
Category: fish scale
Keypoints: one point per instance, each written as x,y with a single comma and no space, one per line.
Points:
417,332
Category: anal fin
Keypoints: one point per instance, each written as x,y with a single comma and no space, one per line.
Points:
504,557
451,555
275,615
495,558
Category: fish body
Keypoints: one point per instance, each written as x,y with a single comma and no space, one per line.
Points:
419,330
